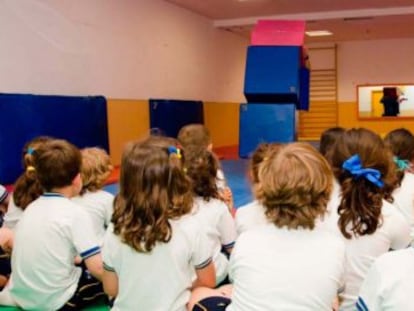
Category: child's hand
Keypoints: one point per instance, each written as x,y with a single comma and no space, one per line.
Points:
227,196
6,239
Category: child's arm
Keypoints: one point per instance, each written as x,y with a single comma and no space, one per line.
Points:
95,266
227,196
110,283
206,276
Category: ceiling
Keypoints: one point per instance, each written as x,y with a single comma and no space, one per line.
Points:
347,19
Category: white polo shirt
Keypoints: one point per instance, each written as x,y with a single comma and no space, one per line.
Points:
99,206
389,284
159,280
250,216
361,251
52,231
13,215
219,226
280,269
404,200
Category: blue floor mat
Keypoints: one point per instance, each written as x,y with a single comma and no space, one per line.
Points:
236,176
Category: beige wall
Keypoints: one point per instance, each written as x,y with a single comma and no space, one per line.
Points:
135,49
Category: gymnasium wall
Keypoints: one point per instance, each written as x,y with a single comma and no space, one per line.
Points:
372,62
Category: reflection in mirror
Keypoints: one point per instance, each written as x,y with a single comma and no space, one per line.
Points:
386,100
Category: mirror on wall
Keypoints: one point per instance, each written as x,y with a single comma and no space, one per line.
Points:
385,100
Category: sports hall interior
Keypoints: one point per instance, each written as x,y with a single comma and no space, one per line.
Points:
131,51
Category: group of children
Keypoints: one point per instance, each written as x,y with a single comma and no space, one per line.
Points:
316,237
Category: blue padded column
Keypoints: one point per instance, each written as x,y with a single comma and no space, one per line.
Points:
265,123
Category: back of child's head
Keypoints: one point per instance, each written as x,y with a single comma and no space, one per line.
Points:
261,153
27,187
153,189
201,166
295,185
364,169
401,143
328,138
96,168
194,135
56,164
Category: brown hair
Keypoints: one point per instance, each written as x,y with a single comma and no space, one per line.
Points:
328,138
194,135
261,153
201,166
57,163
361,201
27,187
96,168
295,185
152,183
401,143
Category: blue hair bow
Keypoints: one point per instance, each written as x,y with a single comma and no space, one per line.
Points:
354,166
30,150
401,164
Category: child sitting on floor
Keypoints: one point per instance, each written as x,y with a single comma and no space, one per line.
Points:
212,213
96,168
51,232
273,265
153,248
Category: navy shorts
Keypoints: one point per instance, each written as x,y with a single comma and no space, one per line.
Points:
216,303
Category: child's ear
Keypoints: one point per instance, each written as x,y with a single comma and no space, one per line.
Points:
210,147
77,184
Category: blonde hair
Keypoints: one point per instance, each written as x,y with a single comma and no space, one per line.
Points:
295,185
96,168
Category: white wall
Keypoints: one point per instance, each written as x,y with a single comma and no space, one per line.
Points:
118,48
374,62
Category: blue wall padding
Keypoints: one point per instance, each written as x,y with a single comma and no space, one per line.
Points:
171,115
272,74
261,123
80,120
304,74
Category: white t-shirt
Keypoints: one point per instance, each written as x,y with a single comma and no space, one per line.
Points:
404,200
99,205
250,216
280,269
159,280
219,226
13,215
52,231
361,251
389,284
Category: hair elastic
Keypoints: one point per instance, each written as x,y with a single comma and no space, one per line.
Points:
30,150
175,150
401,164
30,168
354,166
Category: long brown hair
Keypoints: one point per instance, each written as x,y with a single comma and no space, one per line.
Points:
27,187
361,200
152,184
201,166
295,185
